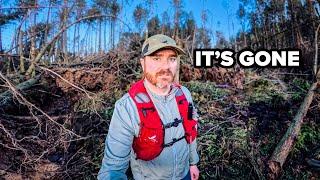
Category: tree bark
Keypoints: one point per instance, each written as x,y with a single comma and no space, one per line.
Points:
22,68
286,143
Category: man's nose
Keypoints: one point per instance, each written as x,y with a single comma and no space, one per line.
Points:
165,63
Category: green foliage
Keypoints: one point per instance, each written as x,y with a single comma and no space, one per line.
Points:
263,90
90,105
303,84
299,88
213,147
204,91
239,136
107,114
267,147
308,135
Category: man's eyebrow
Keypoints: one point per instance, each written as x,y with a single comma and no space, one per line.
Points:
157,54
161,54
172,55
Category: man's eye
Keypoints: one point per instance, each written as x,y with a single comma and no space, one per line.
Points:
156,59
172,59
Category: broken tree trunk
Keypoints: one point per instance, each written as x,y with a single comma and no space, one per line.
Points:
285,145
6,97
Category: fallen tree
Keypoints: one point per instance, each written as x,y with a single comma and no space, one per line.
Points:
6,97
285,145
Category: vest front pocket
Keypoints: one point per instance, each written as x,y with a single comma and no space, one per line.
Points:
149,143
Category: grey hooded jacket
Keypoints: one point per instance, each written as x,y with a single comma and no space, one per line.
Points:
172,163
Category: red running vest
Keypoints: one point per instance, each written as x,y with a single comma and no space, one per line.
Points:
150,141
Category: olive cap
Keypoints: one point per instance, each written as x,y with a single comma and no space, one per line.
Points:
159,41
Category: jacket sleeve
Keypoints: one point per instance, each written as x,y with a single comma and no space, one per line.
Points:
117,145
194,157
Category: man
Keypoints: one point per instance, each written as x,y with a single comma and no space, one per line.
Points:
154,125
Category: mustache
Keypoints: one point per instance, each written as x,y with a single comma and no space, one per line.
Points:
163,72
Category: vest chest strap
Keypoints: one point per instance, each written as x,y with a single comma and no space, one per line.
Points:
173,124
174,140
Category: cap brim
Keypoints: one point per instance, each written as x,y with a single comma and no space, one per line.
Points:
179,50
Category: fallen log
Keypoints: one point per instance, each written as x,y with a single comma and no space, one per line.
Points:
6,97
286,143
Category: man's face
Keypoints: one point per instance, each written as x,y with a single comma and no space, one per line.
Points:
160,67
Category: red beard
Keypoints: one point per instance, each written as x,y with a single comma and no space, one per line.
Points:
153,79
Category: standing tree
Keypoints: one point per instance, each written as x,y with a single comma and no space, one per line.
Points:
153,26
114,12
64,15
140,16
165,27
177,5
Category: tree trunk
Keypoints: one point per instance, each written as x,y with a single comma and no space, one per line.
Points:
193,39
20,36
1,48
286,143
46,34
78,34
65,37
292,16
99,42
105,34
32,36
312,13
6,97
74,40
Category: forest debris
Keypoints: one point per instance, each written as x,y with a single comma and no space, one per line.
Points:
254,164
6,97
45,170
89,79
12,176
313,162
27,118
24,101
234,77
286,143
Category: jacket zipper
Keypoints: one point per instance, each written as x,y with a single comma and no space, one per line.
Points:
173,147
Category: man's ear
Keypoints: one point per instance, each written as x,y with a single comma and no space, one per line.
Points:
142,61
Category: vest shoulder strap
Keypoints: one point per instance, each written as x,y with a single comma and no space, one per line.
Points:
147,112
